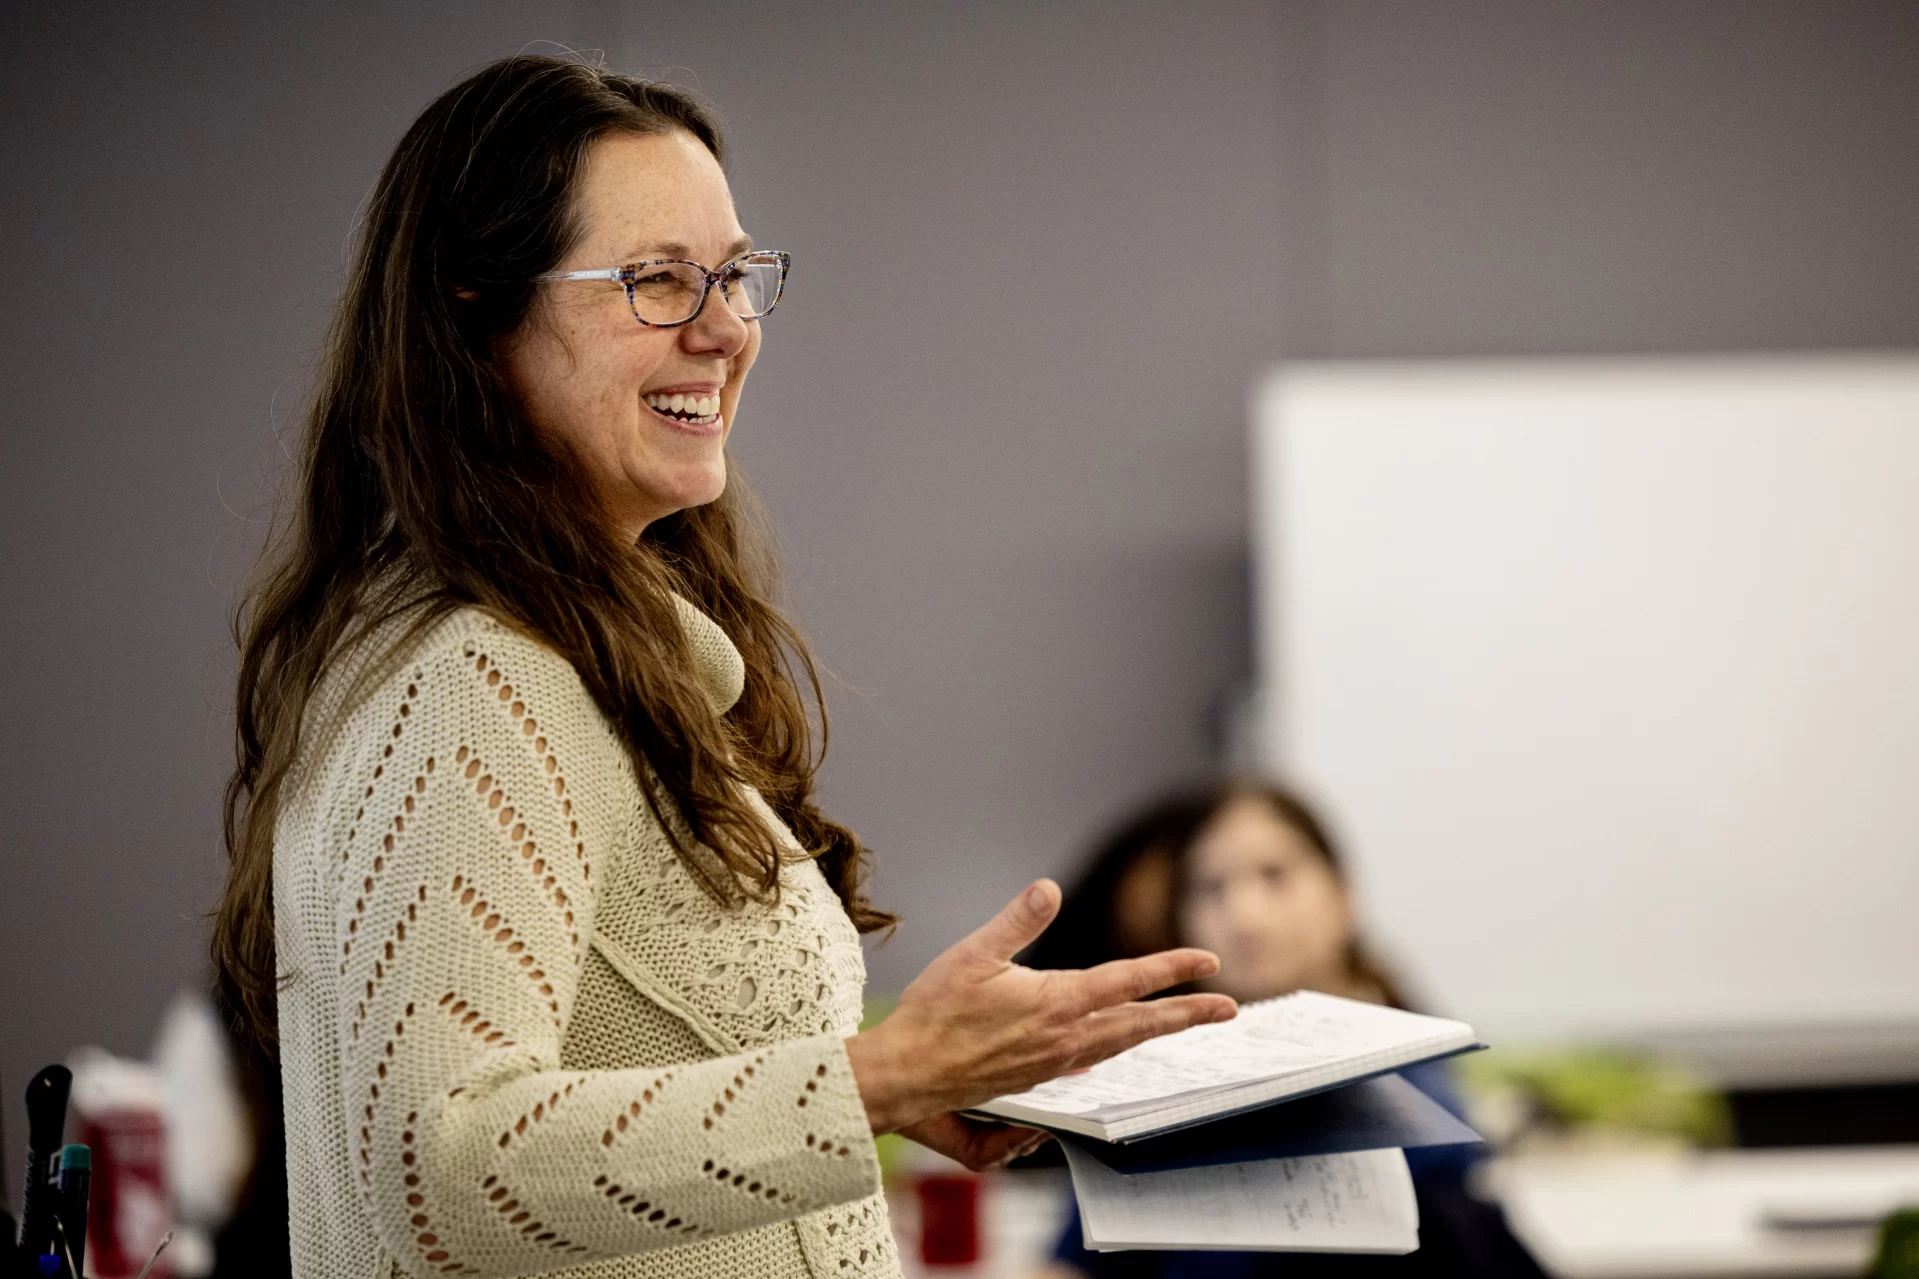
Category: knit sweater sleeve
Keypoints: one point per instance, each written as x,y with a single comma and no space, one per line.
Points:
492,799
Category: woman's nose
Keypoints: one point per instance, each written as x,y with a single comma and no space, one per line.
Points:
1247,907
716,330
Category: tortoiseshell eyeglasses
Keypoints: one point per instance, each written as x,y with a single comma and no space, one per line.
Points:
667,292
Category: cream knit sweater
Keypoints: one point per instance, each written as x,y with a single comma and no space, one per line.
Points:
516,1037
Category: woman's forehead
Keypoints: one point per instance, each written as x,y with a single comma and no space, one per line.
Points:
656,195
1250,828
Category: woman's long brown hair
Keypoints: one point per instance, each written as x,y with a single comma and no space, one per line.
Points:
416,459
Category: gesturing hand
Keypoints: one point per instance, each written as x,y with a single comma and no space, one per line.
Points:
974,1025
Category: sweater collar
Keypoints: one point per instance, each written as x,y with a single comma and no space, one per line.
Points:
722,669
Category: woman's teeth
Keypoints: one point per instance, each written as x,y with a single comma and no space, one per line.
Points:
686,408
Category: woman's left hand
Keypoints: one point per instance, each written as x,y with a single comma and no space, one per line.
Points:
976,1144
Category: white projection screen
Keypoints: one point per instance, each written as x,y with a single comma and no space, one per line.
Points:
1608,673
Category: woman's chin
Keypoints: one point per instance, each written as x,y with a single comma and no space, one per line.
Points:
1264,981
708,487
664,492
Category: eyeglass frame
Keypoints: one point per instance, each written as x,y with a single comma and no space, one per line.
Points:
627,276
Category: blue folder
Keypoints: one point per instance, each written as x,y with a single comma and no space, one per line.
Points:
1379,1113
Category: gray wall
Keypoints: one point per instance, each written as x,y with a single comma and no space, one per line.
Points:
1627,175
1041,250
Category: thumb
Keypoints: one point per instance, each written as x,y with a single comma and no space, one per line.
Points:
1017,924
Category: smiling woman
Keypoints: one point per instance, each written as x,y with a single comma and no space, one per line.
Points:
527,883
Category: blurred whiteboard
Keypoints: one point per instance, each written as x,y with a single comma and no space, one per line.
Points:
1608,672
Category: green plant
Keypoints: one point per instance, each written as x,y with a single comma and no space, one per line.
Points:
1605,1089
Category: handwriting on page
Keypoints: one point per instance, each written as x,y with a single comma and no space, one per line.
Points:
1352,1202
1277,1037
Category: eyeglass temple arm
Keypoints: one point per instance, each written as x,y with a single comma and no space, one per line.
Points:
606,273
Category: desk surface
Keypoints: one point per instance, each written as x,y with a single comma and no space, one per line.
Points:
1637,1217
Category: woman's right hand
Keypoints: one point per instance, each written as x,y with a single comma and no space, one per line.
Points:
974,1025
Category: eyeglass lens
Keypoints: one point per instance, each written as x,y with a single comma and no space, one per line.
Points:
670,292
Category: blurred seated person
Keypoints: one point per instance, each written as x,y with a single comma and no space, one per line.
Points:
1248,871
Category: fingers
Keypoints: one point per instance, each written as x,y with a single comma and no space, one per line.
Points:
1035,1138
979,1146
1001,1146
1114,1030
1019,922
1125,980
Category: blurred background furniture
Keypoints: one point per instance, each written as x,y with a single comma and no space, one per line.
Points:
1803,1213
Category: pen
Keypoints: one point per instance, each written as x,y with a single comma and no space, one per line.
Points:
76,1181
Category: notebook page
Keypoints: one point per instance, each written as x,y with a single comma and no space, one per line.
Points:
1359,1202
1275,1037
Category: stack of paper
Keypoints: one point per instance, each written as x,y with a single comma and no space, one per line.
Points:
1281,1130
1322,1203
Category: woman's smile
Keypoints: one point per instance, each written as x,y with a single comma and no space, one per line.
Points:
693,408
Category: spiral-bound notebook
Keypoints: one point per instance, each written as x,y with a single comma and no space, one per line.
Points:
1274,1051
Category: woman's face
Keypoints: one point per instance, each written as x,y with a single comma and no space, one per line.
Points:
584,369
1263,899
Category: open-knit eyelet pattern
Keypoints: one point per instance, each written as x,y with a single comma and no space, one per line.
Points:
501,1197
860,1239
642,1209
474,900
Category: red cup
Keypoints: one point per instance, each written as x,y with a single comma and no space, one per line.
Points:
128,1213
949,1220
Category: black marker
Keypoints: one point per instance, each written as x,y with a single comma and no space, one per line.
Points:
46,1122
9,1237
